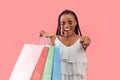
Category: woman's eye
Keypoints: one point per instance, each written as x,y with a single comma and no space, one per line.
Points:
62,23
70,22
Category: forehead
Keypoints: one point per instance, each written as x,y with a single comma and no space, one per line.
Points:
67,17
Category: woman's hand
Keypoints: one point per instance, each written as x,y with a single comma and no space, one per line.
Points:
47,34
85,40
42,33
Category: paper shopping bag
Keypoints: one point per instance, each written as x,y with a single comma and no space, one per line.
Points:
47,73
56,64
26,62
37,73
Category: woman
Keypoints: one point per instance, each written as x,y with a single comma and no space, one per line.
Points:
72,46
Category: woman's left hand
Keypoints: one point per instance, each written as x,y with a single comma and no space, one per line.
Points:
85,40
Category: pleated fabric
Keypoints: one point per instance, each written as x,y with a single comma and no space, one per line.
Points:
73,61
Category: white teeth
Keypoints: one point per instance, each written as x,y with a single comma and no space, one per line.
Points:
66,29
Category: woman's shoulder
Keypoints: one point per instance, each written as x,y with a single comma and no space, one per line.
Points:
78,36
53,38
59,36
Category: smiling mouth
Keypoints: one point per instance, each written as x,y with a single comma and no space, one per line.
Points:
66,29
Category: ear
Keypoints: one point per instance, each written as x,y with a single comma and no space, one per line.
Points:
75,23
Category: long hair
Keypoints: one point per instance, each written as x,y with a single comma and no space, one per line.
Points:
77,28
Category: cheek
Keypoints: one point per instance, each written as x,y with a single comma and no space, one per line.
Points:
73,27
62,28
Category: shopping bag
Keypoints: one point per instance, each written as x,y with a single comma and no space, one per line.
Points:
26,62
37,73
47,73
56,64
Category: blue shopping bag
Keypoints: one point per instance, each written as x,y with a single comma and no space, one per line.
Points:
56,64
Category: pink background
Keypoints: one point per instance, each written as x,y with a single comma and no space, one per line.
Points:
22,20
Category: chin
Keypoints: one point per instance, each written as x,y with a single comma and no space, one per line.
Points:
68,33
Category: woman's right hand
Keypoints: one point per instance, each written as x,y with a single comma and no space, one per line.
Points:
47,34
42,33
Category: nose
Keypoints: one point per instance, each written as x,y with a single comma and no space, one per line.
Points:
67,25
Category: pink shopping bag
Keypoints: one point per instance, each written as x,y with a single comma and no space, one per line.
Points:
26,62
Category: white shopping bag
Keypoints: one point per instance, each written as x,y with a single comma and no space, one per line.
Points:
26,62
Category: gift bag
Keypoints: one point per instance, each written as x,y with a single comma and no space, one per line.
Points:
47,73
37,73
26,62
56,64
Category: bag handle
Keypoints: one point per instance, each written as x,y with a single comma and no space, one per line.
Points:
44,40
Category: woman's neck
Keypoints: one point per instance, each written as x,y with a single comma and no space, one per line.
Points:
69,36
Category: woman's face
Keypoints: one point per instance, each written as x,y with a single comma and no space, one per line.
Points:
67,23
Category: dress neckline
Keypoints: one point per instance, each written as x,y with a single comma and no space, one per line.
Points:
78,40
